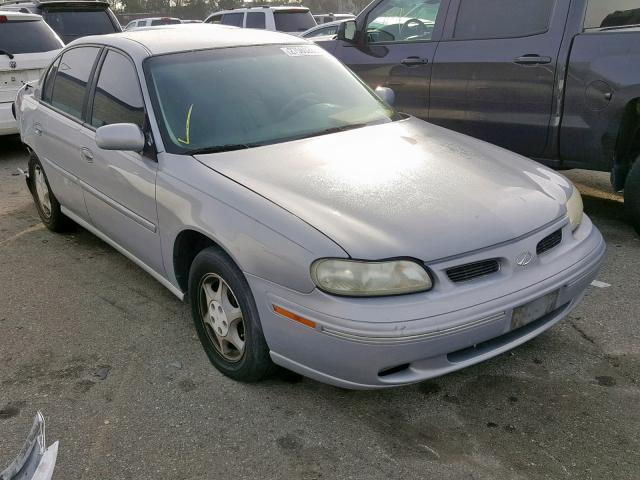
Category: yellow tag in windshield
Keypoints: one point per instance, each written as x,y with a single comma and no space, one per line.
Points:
186,141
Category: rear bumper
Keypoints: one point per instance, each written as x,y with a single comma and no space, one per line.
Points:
365,348
8,124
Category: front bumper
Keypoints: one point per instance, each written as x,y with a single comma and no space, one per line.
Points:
385,342
8,125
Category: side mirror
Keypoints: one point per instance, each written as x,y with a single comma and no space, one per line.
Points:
386,94
120,136
347,31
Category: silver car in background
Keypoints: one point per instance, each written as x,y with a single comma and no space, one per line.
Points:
308,223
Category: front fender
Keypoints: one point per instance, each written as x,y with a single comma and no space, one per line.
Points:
263,239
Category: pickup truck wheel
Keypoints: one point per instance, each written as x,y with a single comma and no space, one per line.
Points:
46,203
226,318
632,195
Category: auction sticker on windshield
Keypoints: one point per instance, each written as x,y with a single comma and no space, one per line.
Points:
302,51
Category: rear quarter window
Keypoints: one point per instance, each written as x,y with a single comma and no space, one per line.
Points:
612,13
28,37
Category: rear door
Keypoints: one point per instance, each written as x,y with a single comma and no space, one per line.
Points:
397,51
494,74
119,187
59,120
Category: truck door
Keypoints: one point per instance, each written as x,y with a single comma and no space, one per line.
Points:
397,47
494,73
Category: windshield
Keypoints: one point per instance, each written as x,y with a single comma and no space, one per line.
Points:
72,24
612,13
293,21
27,37
250,96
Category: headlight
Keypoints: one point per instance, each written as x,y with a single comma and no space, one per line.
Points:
575,209
369,279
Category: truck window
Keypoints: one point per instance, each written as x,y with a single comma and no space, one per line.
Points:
293,21
612,13
484,19
402,21
255,20
233,19
71,24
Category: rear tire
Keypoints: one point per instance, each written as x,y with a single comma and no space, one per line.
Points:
46,203
226,318
632,195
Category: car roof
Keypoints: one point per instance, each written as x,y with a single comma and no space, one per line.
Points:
19,16
185,37
253,9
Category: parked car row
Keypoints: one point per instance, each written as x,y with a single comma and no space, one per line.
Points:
27,46
309,223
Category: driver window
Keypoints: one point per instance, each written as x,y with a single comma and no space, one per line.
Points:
402,21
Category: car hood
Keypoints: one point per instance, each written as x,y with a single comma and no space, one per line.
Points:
406,188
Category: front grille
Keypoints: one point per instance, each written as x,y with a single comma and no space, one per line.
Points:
549,242
470,271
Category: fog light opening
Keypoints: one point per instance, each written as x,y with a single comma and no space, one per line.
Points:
390,371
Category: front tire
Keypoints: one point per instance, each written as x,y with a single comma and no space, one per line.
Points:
46,203
632,195
226,318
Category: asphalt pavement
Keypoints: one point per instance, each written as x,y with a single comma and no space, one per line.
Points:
112,360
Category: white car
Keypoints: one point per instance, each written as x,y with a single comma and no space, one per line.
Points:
27,46
152,22
294,20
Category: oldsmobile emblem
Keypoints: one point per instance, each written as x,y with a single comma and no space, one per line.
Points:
524,259
13,64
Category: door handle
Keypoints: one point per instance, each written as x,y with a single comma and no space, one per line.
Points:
532,60
37,129
86,154
414,61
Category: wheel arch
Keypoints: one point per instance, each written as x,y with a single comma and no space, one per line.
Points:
186,246
627,147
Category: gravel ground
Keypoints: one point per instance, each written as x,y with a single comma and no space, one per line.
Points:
112,360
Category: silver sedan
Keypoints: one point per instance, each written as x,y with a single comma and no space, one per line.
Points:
308,224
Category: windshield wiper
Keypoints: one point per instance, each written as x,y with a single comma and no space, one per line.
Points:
343,128
10,55
219,149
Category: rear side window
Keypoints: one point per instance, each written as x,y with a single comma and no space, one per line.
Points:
165,21
255,20
612,13
293,21
484,19
27,37
72,24
117,98
70,81
233,19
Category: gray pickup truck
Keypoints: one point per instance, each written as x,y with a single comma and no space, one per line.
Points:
554,80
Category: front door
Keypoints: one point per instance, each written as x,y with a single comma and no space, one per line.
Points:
396,50
495,71
119,187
